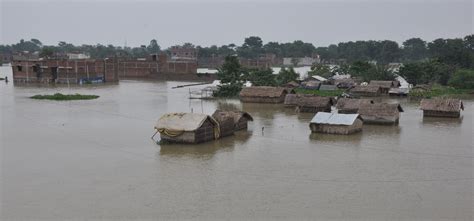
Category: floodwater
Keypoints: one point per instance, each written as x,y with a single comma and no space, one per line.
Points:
95,160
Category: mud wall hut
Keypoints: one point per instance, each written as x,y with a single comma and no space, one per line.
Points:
385,85
366,91
240,119
264,94
291,100
380,113
334,123
441,107
226,123
187,128
314,104
351,106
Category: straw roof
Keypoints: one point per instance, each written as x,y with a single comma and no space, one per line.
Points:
182,121
314,101
351,104
292,84
264,91
385,84
334,118
366,89
445,105
235,115
292,99
380,109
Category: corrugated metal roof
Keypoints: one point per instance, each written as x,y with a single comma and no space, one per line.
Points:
334,118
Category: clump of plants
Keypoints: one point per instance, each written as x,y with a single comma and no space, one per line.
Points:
65,97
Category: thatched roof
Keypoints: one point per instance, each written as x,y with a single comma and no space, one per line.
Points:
314,101
264,91
334,118
380,109
292,99
235,115
385,84
365,89
291,84
182,121
399,91
445,105
351,104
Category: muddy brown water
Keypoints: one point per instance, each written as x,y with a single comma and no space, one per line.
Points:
95,160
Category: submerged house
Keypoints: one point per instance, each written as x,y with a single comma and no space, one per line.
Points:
441,107
314,104
291,100
187,128
264,94
366,91
398,91
240,119
351,106
380,113
334,123
226,123
311,85
385,85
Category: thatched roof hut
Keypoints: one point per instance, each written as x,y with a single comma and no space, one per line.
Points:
334,123
385,85
291,100
264,94
351,106
441,107
291,84
187,128
314,104
226,123
344,83
366,91
311,84
380,113
240,119
398,91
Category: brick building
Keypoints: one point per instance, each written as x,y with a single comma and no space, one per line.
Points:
101,70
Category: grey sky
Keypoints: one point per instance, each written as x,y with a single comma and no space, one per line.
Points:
222,22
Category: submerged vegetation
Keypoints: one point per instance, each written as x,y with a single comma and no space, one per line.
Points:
440,91
65,97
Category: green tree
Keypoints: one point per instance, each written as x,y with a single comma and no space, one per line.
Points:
463,79
432,71
153,47
368,72
414,49
286,75
262,78
231,75
321,70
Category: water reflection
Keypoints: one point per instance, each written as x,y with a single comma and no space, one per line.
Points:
208,149
350,139
442,121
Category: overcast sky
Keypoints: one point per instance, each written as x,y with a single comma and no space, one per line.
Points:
211,22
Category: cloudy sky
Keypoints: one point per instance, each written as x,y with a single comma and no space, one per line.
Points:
208,22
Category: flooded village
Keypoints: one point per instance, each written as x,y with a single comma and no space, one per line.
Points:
257,131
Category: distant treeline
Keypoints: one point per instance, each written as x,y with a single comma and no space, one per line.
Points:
457,51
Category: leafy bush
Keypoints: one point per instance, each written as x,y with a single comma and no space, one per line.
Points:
65,97
463,79
227,90
286,75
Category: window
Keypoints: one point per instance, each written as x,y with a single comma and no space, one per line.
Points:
19,68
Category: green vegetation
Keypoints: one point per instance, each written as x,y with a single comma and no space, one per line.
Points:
427,72
318,92
439,91
321,70
65,97
232,77
368,72
286,75
463,79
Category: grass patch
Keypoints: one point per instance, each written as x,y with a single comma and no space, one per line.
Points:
65,97
440,91
333,93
